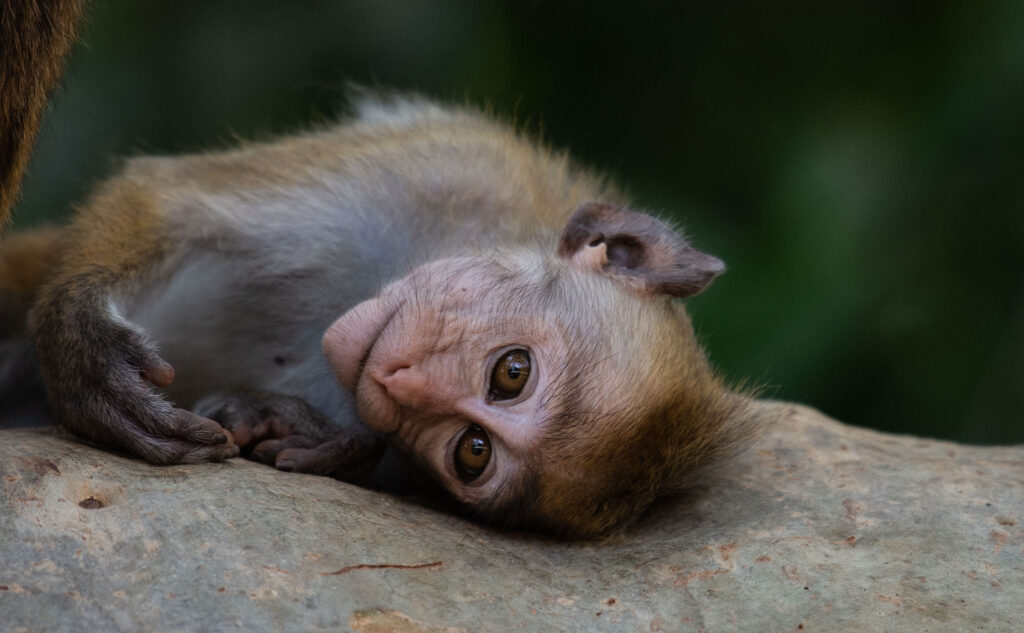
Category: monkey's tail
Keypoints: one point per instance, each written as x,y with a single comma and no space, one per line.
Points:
27,261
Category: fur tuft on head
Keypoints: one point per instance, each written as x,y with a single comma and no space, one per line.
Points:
667,448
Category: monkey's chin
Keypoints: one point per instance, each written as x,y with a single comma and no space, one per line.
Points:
349,340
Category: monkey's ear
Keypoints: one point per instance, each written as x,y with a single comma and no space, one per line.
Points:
636,249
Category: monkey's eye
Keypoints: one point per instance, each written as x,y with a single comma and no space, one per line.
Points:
510,374
472,453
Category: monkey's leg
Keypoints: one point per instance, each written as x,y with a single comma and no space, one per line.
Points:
290,434
96,366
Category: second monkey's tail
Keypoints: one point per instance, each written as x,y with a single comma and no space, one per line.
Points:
27,261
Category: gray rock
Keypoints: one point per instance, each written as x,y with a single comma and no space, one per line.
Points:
820,527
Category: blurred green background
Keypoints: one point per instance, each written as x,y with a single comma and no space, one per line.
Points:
859,165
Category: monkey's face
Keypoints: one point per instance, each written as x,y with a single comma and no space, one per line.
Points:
502,376
541,388
459,365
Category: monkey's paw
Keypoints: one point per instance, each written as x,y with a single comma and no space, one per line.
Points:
108,401
286,432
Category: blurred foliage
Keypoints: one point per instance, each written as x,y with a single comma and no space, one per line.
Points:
857,164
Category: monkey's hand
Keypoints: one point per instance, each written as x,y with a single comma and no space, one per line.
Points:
97,370
288,433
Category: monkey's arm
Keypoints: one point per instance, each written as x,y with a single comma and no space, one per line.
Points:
96,365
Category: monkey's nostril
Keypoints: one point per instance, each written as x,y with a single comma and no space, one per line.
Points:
391,370
406,384
392,378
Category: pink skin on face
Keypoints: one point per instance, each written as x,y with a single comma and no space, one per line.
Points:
418,359
350,341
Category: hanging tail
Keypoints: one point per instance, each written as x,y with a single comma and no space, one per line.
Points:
27,260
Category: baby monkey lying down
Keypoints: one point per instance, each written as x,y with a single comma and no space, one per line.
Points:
507,323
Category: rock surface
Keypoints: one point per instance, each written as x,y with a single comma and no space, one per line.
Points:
820,527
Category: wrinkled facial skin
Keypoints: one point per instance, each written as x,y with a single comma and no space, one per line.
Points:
420,359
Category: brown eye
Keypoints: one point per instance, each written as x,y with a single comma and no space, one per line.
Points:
472,453
510,374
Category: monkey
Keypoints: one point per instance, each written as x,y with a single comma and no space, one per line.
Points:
417,277
417,295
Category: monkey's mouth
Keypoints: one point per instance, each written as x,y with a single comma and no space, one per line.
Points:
349,341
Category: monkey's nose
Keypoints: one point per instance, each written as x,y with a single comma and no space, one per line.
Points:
406,385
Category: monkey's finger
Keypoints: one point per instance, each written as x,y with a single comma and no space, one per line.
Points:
164,450
242,433
232,414
198,454
348,459
272,427
267,451
319,460
156,370
190,427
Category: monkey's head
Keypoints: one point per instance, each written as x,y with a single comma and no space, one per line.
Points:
561,390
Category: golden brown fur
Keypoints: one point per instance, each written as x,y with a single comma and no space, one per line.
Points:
35,36
600,469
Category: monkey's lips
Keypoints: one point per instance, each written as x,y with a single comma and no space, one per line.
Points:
349,340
